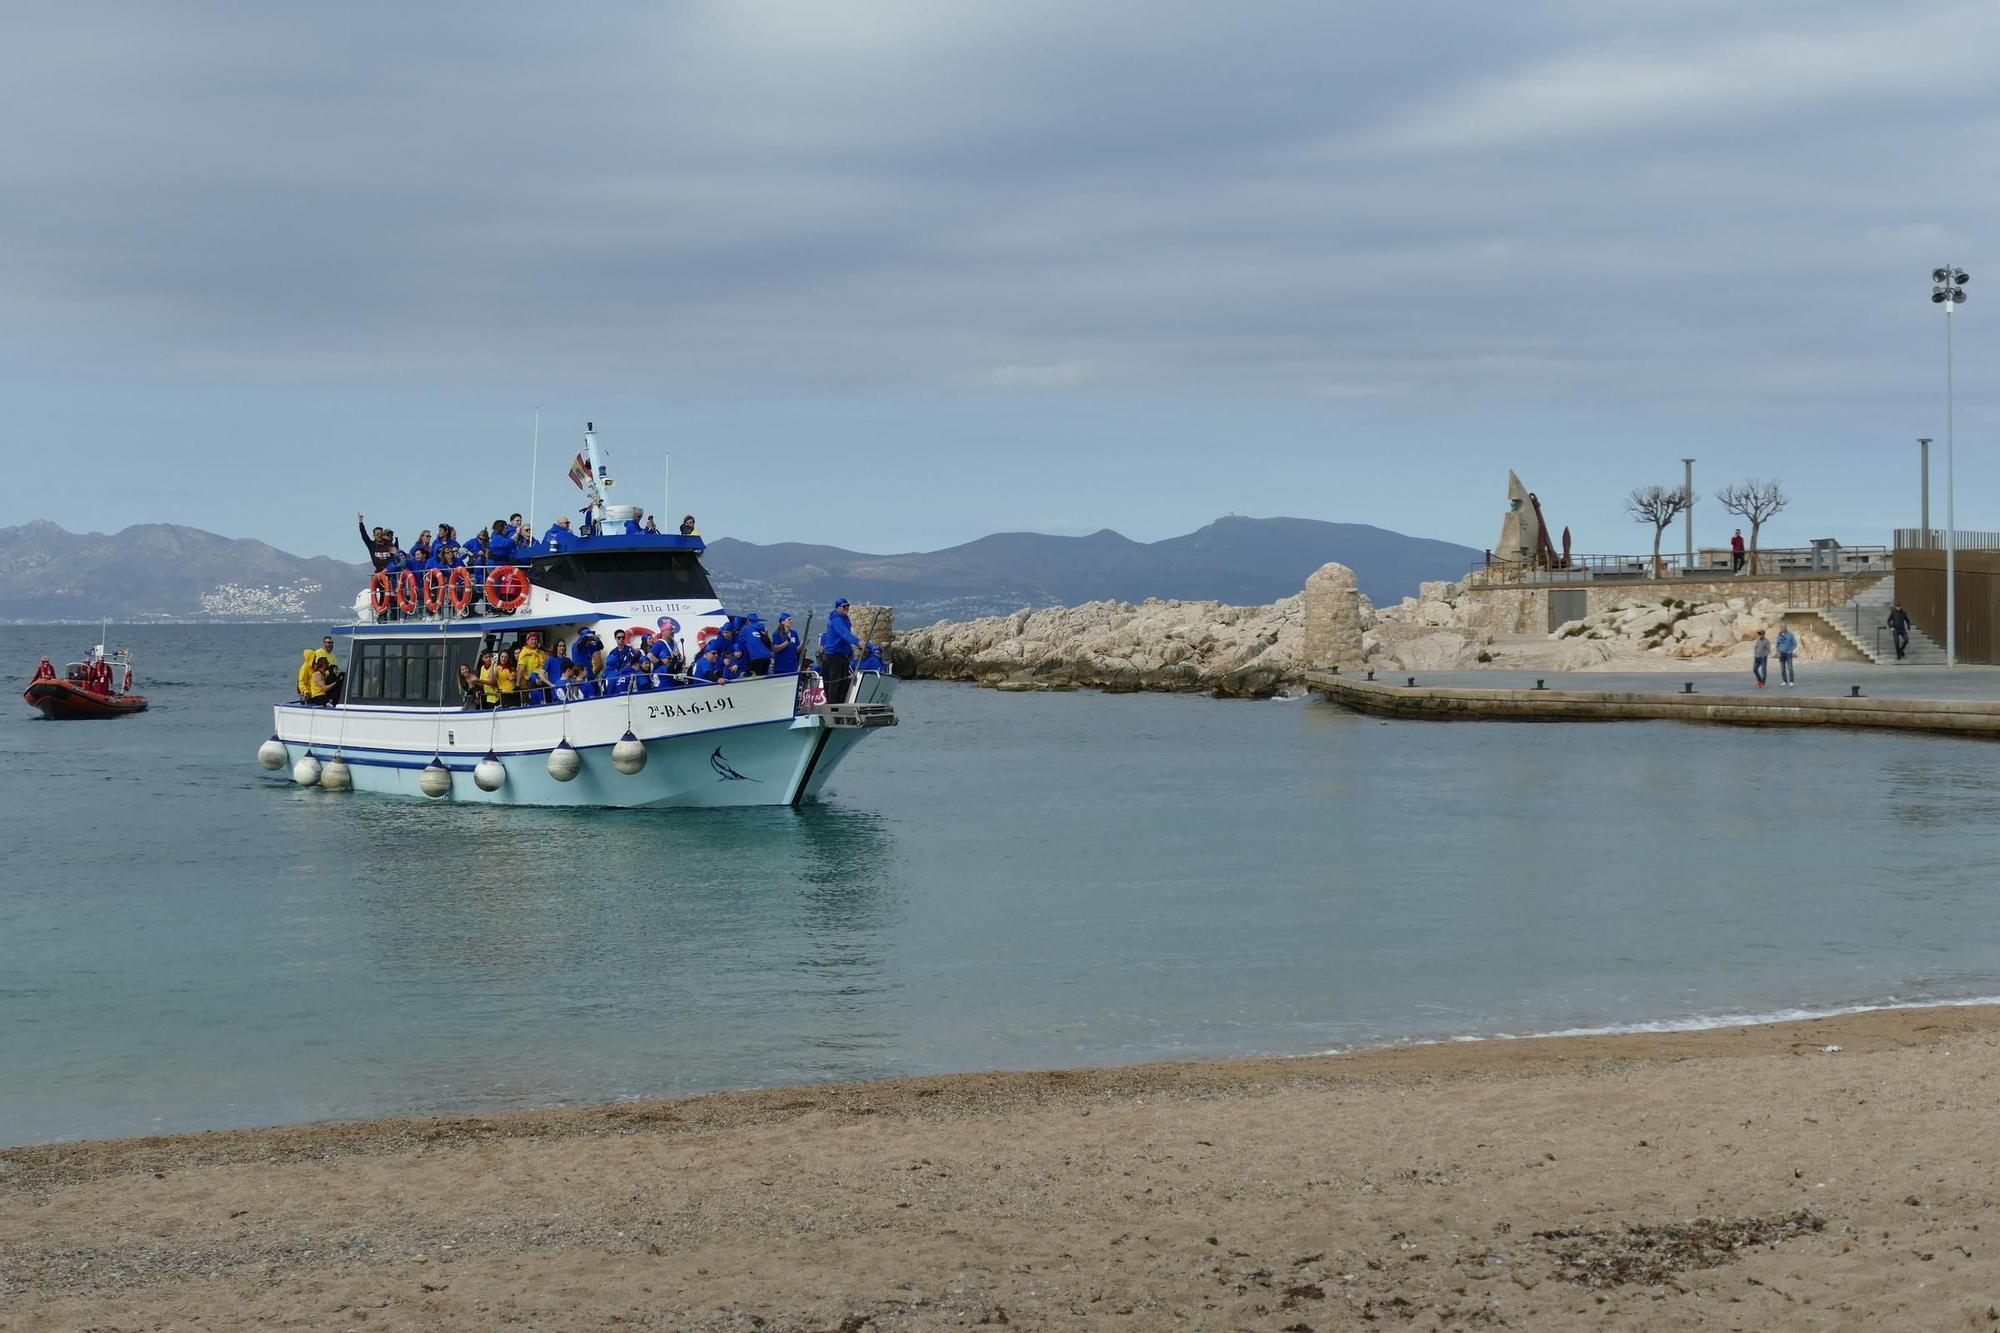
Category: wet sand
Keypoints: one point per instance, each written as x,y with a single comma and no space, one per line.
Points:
1739,1179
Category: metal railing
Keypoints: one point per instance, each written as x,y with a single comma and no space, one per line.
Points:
1771,562
1932,539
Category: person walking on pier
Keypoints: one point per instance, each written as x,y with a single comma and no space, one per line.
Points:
1760,659
1788,644
1899,628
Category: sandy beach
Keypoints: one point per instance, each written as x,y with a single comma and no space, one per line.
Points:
1748,1179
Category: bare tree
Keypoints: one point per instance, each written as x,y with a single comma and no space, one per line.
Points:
1660,506
1753,501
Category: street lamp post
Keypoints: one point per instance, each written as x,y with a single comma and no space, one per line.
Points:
1924,487
1687,518
1948,290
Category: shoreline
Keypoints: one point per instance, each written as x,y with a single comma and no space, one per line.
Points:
1817,1173
1691,1025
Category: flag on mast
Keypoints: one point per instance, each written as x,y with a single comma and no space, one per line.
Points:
579,472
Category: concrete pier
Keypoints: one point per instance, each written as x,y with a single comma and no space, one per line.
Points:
1962,702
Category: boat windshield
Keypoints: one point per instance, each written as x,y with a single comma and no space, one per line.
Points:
624,576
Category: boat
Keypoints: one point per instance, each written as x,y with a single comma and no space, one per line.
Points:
398,726
98,686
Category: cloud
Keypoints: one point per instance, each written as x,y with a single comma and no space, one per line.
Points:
1692,214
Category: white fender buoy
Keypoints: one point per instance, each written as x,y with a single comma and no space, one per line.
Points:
271,754
435,780
489,772
564,762
629,755
306,771
334,775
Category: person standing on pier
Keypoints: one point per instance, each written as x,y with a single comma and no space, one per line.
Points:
1899,628
1788,644
1736,552
1760,659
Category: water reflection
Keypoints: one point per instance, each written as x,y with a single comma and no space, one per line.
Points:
684,943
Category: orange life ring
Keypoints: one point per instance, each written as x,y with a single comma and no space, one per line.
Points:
459,587
406,592
507,588
434,590
378,594
701,639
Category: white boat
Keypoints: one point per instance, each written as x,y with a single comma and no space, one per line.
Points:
400,728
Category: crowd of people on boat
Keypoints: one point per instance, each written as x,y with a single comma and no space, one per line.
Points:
95,673
526,670
503,542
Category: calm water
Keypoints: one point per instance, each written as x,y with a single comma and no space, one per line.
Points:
1002,881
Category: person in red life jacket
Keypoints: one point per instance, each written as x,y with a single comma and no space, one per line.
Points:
45,671
100,677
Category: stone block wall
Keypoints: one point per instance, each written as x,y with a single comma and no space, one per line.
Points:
1525,610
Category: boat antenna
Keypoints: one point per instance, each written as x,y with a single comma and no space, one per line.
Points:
534,468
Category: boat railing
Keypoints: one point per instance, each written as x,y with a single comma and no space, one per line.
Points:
626,687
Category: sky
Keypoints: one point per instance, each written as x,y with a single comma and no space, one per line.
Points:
895,275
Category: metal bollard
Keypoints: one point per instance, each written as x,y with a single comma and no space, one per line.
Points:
1539,685
1854,691
1371,675
1687,687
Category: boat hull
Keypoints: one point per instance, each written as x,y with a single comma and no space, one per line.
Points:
738,744
61,700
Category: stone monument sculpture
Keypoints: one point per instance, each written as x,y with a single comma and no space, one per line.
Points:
1524,537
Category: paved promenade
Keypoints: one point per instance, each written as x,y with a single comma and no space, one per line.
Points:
1964,701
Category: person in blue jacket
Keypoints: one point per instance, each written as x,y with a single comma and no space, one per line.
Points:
872,660
618,666
667,661
558,536
1787,645
757,649
641,644
708,666
837,650
784,647
585,649
500,544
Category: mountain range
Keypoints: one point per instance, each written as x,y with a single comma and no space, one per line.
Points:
158,571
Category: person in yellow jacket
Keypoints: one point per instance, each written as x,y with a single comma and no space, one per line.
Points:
312,685
532,661
510,695
489,678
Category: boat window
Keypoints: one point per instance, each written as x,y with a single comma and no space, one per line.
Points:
625,576
400,672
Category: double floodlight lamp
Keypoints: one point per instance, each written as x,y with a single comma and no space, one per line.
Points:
1948,284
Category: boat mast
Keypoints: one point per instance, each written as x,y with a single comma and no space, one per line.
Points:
534,467
599,481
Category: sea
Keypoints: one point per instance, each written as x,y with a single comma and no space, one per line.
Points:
1004,881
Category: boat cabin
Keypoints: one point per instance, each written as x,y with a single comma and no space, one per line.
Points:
635,567
406,666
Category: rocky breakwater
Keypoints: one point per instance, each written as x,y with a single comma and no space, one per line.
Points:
1242,651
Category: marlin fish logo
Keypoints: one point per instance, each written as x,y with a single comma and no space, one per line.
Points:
724,771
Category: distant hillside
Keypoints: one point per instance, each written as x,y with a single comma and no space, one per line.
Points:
1248,561
163,572
159,571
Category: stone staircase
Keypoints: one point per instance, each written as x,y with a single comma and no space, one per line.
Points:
1856,620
